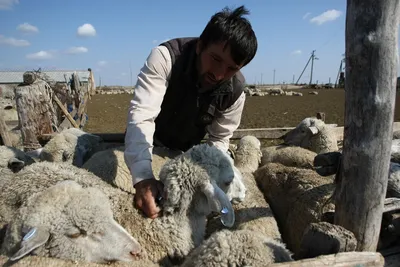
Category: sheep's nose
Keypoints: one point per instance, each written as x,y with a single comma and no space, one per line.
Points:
136,252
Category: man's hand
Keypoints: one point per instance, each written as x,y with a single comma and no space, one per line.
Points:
145,198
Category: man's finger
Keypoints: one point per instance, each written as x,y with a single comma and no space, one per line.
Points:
150,208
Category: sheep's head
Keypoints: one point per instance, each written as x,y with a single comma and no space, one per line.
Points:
13,159
195,180
301,135
248,153
70,222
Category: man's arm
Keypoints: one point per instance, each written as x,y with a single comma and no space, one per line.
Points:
221,130
145,106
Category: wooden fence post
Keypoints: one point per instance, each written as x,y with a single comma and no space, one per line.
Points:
371,71
35,112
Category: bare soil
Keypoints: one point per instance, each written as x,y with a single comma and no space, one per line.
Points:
108,113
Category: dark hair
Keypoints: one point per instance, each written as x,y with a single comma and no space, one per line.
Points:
230,26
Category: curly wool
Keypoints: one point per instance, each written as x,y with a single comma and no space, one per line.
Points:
292,156
297,198
253,213
237,248
171,236
321,142
110,166
38,261
78,220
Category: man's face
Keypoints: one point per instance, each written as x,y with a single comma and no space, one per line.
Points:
216,64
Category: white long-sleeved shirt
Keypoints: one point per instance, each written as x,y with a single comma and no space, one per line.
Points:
145,106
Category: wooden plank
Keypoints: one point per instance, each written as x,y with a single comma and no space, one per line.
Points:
66,113
66,123
370,92
4,132
391,204
343,259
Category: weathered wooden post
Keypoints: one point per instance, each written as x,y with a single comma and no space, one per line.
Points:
35,110
371,70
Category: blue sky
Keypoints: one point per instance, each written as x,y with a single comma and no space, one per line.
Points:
112,36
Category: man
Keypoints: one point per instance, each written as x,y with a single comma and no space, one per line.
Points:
187,87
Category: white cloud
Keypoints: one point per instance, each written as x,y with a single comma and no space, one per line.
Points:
297,52
27,28
77,50
13,42
86,30
306,15
8,4
102,63
329,15
41,55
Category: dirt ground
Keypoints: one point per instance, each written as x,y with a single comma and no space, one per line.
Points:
108,113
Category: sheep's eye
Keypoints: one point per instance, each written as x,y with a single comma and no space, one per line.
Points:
76,235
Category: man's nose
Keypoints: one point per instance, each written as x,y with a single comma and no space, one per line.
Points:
219,72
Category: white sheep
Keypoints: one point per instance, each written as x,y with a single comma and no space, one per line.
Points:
110,166
36,261
293,156
313,134
190,181
13,159
71,145
254,213
67,221
237,248
297,197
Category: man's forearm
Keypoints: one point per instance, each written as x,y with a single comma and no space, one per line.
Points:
144,108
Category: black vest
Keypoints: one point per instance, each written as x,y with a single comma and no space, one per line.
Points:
185,112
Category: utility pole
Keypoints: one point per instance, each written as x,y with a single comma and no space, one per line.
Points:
261,78
273,80
313,57
293,79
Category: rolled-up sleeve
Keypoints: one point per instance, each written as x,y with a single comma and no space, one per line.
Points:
221,130
144,107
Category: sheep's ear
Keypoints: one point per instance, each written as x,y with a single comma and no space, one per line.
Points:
220,203
313,130
35,238
15,164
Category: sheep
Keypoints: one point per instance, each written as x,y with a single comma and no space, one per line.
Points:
111,167
13,159
194,182
254,213
37,261
297,197
71,145
292,156
67,221
237,248
313,134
